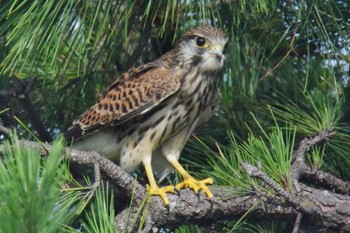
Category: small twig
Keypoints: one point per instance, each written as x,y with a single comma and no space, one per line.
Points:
256,172
21,91
96,183
306,143
97,175
297,223
299,165
283,58
328,180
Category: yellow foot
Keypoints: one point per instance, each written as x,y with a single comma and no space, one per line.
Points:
156,191
196,185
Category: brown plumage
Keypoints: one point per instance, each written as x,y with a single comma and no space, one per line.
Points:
153,109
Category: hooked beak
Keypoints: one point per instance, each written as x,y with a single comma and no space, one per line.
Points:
217,51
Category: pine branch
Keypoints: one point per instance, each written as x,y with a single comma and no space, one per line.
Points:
310,206
187,207
328,180
21,90
299,166
301,169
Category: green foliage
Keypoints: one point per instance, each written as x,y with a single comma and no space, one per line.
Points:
51,35
189,228
285,78
31,198
273,151
100,214
316,111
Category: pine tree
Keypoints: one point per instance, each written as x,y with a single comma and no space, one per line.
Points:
281,131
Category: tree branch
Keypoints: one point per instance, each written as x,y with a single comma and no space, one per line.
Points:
21,90
188,208
312,206
299,166
321,208
257,172
328,180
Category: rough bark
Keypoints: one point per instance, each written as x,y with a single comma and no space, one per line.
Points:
323,208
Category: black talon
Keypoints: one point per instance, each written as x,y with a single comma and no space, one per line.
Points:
168,208
199,196
212,202
177,192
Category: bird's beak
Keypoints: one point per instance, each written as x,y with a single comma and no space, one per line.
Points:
217,51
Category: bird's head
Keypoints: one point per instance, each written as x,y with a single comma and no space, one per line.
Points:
202,47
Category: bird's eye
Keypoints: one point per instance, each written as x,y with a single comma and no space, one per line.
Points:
200,41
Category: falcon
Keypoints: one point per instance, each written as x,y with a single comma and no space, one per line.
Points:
147,115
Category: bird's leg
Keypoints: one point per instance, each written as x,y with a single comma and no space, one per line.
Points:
189,181
153,188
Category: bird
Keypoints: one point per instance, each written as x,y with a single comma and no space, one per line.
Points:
148,113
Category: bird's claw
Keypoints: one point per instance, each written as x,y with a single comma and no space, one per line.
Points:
161,192
197,185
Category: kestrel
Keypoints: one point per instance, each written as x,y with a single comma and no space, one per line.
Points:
147,115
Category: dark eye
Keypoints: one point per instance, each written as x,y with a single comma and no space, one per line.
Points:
200,41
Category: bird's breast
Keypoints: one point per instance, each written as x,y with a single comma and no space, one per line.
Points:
196,101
